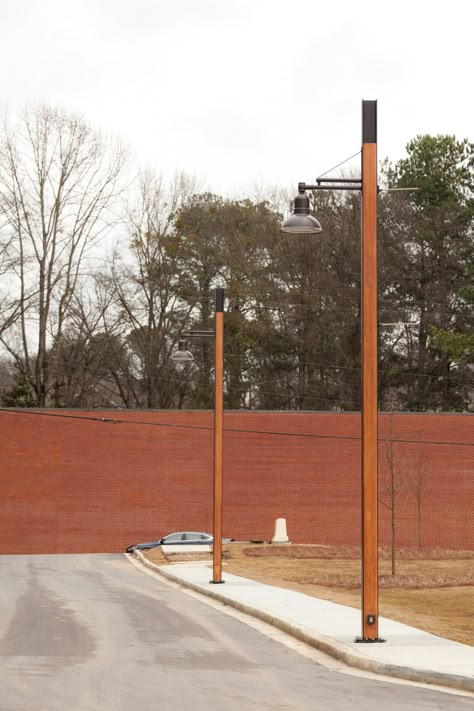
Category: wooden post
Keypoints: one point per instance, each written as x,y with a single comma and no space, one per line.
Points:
369,423
218,429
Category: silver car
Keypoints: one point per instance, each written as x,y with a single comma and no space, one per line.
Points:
179,538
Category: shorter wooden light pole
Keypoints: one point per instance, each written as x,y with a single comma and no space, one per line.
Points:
183,356
218,438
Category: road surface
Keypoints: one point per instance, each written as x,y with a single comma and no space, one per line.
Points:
94,633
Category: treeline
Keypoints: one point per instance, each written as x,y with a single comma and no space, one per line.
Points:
100,276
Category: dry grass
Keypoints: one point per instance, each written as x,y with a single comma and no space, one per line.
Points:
414,570
432,590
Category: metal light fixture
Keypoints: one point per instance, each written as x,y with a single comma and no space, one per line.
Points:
301,222
182,355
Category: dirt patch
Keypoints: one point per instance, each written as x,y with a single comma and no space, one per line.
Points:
308,565
432,590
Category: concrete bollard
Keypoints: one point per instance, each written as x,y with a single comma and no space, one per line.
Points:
280,535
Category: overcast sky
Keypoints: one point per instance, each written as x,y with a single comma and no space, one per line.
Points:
239,92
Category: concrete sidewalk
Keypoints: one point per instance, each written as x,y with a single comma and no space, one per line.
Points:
408,653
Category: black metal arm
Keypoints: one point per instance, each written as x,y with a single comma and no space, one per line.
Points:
332,184
198,334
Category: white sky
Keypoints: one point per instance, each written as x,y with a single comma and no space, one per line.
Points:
239,92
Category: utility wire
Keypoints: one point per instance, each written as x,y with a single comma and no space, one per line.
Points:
110,420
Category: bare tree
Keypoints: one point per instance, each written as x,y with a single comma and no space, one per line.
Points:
10,306
58,182
393,485
146,289
89,363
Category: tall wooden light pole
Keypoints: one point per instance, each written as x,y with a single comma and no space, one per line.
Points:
302,222
369,427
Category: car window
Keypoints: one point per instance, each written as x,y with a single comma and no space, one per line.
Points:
174,537
192,537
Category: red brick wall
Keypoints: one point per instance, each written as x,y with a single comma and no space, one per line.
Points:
72,484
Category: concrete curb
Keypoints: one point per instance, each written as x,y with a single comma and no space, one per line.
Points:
335,649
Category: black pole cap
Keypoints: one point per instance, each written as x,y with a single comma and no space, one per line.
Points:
369,121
